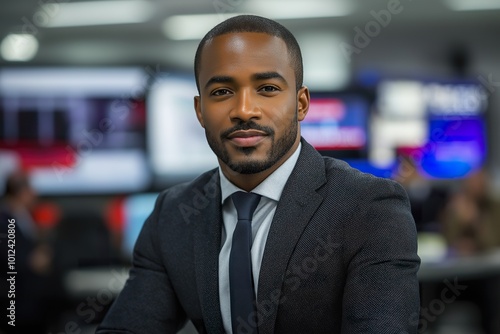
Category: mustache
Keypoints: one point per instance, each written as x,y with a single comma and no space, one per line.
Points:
248,126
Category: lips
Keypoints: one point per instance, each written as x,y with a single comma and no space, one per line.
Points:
246,138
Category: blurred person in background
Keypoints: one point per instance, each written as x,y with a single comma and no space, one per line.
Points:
426,199
471,227
33,259
471,219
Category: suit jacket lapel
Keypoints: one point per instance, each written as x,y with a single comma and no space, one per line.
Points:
298,203
207,240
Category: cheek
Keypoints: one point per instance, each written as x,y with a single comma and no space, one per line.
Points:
282,115
209,125
209,115
214,123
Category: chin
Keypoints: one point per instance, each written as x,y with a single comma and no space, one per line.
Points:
247,166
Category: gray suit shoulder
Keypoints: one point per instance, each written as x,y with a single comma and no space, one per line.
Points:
341,173
205,184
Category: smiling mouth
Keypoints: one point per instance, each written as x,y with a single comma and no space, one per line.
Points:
246,138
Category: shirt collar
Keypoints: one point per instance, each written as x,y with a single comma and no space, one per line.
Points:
271,187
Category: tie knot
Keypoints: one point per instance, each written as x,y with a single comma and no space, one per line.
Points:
245,204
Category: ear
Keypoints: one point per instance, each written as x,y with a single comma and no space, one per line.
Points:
197,108
303,99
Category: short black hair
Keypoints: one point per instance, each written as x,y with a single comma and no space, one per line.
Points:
253,23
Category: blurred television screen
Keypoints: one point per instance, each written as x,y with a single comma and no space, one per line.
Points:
176,141
440,124
334,123
337,124
78,130
136,209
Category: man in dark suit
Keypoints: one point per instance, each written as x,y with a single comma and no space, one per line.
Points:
333,250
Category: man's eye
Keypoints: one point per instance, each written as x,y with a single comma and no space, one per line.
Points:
220,92
269,89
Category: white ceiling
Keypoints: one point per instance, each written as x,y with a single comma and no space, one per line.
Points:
428,24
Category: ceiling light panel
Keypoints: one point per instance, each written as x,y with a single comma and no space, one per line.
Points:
93,13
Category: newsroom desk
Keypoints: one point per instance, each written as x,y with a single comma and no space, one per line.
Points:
471,267
83,283
104,284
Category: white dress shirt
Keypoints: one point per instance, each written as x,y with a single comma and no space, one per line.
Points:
270,189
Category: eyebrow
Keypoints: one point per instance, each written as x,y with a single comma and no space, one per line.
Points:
255,77
219,79
267,76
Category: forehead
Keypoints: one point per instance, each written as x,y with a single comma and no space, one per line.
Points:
245,51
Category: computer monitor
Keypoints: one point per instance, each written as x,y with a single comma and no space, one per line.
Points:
440,124
177,146
77,130
337,124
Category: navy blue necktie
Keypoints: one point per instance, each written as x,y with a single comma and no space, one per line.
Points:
240,265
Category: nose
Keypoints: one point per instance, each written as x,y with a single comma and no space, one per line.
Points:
246,107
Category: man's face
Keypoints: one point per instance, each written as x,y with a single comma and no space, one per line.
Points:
248,102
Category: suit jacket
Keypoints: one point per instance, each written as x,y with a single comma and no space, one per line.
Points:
341,257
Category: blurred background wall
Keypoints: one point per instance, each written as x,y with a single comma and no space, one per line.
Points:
96,118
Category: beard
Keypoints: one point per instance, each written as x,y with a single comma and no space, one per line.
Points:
253,166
